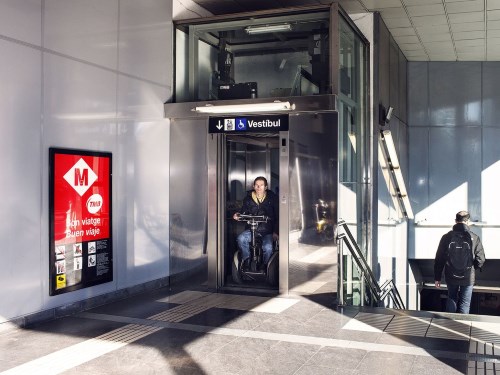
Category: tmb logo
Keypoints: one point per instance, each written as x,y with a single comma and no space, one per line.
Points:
80,177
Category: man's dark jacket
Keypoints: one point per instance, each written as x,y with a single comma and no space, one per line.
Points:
269,207
441,256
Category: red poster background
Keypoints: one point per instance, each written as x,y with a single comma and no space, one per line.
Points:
72,220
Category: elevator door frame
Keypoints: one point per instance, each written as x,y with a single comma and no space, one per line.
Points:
216,236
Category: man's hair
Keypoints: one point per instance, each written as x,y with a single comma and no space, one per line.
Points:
462,217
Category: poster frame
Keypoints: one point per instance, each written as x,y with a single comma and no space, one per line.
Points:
85,281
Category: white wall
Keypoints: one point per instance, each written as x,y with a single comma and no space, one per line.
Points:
86,74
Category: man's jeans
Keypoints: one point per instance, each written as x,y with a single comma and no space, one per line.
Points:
459,298
244,242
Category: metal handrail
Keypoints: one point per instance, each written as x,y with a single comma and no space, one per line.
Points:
378,292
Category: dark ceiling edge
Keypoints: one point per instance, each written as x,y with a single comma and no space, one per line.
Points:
256,14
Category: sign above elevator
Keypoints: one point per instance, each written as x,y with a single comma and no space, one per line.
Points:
248,124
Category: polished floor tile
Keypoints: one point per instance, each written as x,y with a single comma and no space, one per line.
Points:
199,332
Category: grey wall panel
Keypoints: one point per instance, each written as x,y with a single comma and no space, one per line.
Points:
77,101
20,162
188,145
418,94
384,64
490,198
394,77
418,155
455,170
86,30
142,204
403,150
403,85
491,93
22,20
491,151
455,93
145,48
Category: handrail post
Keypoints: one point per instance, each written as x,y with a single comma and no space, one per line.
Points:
340,273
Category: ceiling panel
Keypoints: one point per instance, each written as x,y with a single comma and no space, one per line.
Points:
403,31
425,10
422,2
468,26
466,17
430,20
381,4
438,29
435,30
465,6
469,35
493,15
436,37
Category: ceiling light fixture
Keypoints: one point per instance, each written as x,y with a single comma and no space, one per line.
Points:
246,108
264,29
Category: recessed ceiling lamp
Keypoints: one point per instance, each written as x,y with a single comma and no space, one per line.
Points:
264,29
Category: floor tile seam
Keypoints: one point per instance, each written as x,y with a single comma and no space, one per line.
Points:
310,340
310,358
75,355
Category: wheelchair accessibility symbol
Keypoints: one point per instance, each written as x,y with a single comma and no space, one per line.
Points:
241,124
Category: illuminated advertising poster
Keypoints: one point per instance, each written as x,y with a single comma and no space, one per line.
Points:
80,219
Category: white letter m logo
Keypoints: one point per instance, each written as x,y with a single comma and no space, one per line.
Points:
80,177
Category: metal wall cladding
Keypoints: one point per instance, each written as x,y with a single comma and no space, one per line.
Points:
403,87
455,160
84,90
454,156
188,194
20,151
491,93
455,93
418,154
418,94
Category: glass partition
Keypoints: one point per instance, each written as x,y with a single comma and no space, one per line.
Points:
257,57
353,154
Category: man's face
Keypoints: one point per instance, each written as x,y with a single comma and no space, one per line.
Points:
259,187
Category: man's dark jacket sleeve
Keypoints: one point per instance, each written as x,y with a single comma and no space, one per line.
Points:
440,260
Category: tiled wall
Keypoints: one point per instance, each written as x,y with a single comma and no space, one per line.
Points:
86,74
454,118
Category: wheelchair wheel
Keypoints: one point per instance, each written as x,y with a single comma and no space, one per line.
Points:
235,268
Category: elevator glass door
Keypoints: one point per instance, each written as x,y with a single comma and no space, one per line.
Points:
246,157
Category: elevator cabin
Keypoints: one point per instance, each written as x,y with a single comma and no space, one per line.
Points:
297,157
259,96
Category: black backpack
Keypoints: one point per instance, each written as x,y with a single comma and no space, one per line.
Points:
459,257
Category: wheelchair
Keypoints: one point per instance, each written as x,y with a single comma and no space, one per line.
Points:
254,269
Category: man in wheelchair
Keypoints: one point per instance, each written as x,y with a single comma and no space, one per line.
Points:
259,201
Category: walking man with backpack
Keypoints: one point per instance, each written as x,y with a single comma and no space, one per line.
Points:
460,253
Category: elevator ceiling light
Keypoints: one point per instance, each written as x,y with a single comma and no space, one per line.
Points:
246,108
265,29
391,158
